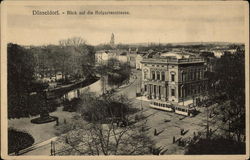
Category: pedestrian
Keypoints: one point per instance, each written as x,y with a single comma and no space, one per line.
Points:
57,122
155,133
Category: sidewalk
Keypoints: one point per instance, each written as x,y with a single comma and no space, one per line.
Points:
143,98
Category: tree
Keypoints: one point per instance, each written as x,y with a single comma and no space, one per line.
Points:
18,140
227,86
102,135
20,77
231,73
81,57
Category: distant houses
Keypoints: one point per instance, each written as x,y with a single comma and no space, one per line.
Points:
132,58
102,56
138,60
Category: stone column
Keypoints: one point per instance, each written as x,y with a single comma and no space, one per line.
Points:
167,93
184,92
153,92
180,89
149,91
157,92
163,93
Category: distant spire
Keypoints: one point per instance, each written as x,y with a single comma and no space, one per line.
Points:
112,40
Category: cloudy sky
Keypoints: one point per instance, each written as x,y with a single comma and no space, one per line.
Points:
145,23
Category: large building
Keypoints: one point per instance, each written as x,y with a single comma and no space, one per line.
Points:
138,59
103,56
173,81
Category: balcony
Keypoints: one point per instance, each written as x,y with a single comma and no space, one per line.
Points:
154,81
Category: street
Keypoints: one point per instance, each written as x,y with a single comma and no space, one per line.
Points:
167,124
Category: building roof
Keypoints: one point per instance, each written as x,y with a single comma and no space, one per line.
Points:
178,55
172,60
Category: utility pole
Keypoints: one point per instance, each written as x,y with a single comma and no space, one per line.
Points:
140,90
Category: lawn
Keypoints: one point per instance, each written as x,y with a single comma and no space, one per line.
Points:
40,132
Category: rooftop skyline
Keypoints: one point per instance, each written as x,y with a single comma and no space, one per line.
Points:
148,23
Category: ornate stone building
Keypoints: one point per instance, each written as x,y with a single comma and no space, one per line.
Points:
173,81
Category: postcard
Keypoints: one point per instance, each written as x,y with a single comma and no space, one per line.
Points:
125,80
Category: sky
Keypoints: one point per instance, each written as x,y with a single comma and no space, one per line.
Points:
168,23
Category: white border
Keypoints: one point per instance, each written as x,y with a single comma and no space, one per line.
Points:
4,77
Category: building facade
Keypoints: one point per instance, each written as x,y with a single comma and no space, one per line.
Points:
173,81
138,59
102,57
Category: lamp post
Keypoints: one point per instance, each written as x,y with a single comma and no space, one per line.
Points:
140,82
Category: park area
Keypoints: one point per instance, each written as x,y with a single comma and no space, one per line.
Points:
163,126
171,133
41,132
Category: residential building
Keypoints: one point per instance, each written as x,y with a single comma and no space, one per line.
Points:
102,56
138,59
132,59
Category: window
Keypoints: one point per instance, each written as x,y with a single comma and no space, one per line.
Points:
158,76
153,74
183,77
145,88
191,75
154,88
198,77
145,75
172,77
163,76
194,77
172,92
159,90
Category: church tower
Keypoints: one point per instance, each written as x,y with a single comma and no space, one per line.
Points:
112,40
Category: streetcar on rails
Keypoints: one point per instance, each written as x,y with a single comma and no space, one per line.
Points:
188,110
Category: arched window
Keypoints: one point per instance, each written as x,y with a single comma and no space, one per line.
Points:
163,76
172,92
172,76
183,76
158,75
153,74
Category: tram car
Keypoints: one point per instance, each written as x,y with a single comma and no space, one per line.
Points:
178,109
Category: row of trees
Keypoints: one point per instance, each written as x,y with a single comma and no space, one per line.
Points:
21,83
71,57
227,89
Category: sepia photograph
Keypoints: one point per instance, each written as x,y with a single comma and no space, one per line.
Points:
125,78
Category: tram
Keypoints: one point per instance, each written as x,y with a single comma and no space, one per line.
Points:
178,109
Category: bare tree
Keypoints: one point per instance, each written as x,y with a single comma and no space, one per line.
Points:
108,136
